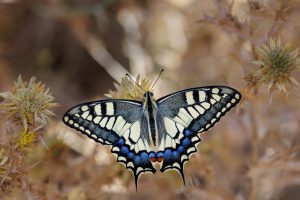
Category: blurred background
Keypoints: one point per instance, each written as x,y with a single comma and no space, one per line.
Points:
80,48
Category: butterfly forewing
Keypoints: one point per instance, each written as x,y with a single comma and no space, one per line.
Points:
186,113
119,123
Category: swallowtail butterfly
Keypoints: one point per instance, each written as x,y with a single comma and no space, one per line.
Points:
166,130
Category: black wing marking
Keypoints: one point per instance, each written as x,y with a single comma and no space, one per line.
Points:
186,113
119,123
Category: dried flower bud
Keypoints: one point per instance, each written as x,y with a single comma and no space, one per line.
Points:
29,103
276,62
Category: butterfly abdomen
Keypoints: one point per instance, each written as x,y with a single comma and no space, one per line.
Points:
151,120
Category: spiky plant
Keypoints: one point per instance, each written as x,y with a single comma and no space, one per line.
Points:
276,64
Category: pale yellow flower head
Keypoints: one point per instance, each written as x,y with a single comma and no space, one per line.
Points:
29,103
276,62
128,89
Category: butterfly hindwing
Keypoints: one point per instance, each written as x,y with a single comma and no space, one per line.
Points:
186,113
119,123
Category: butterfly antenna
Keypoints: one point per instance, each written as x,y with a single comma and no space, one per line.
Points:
161,71
135,82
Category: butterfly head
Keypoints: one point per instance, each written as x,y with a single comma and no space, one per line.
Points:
148,97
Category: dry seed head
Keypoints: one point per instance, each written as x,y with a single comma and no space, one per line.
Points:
29,103
128,89
276,62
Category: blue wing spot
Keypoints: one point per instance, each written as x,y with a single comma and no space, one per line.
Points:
186,142
180,149
144,157
124,150
130,155
168,154
175,155
160,154
120,142
137,160
188,133
152,155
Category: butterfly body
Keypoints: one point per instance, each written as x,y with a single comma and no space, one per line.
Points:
142,133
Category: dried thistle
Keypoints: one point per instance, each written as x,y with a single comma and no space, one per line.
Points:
26,139
128,89
276,62
29,103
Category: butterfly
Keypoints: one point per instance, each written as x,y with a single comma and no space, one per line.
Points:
164,131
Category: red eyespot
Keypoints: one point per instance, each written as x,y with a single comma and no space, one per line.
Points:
153,159
159,159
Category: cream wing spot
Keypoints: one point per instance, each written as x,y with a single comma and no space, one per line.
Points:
213,120
237,96
135,131
176,165
202,96
162,144
97,109
195,139
192,149
179,120
233,100
184,157
215,90
85,114
168,141
120,122
212,101
71,122
66,118
200,109
121,158
110,108
185,116
126,135
103,122
116,149
125,128
97,119
193,112
147,146
216,97
130,165
139,169
110,123
141,145
84,108
89,118
170,127
189,98
180,127
173,143
205,105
